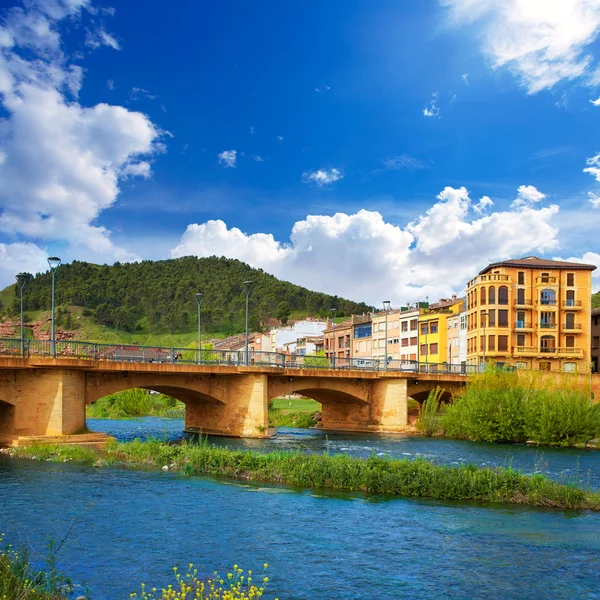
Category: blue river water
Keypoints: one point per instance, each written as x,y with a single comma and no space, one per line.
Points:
133,526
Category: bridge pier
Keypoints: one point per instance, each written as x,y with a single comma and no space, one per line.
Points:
245,414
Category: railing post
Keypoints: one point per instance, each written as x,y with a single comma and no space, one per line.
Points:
95,351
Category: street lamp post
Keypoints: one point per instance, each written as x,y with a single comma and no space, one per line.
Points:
333,310
247,289
199,297
54,262
386,308
484,319
22,279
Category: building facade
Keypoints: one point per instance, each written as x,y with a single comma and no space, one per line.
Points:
531,313
595,335
294,331
379,335
433,330
409,334
362,331
337,341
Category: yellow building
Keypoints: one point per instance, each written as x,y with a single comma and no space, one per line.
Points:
532,313
433,330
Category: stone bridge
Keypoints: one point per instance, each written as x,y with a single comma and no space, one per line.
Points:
45,398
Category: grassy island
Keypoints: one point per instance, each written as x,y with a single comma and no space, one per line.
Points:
375,475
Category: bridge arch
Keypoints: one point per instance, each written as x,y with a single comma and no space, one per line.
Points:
7,420
323,390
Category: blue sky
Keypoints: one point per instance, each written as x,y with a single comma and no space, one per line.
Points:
345,146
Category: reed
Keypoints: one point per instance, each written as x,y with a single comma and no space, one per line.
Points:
375,475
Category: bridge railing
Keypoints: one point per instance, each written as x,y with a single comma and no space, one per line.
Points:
154,354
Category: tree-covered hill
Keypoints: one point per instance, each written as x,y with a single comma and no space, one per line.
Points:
596,300
159,296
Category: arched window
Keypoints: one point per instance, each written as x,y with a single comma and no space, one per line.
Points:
548,297
483,296
502,295
492,295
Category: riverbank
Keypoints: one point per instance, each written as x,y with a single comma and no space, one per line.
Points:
375,475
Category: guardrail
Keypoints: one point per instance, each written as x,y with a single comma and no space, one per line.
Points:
155,354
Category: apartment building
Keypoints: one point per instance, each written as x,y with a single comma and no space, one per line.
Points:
293,331
595,335
379,335
362,336
409,333
457,336
337,341
433,330
532,313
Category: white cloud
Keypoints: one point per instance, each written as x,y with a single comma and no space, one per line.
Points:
110,84
362,257
63,160
252,130
541,41
596,102
594,200
280,138
20,257
136,92
431,109
594,166
227,158
527,195
484,203
100,37
403,161
322,176
258,158
588,258
465,78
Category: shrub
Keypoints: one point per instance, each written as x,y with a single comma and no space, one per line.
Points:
428,421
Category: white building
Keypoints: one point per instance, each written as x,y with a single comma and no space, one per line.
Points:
294,331
409,334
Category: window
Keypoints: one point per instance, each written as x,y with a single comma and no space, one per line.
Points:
423,349
570,320
404,326
404,342
433,348
502,318
382,343
545,277
491,319
520,296
424,329
481,343
548,297
521,365
491,343
502,343
570,298
547,320
492,295
502,295
596,341
433,327
396,324
483,295
544,366
362,331
548,343
463,322
414,324
570,367
413,341
520,319
521,278
570,279
521,339
570,341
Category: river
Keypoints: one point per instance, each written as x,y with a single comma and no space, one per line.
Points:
132,526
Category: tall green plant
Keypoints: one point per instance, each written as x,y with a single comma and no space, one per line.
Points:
428,421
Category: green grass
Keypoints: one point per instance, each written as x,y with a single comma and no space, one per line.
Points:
376,475
135,403
293,412
305,404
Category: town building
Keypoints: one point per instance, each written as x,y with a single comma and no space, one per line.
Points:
433,330
337,339
409,333
595,335
457,337
362,330
379,335
532,313
293,331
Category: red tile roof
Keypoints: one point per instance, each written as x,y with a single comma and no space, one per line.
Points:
533,262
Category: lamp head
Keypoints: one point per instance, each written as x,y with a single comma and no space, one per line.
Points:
386,305
54,262
247,286
23,278
199,297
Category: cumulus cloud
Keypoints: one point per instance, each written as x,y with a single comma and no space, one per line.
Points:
483,205
527,195
541,41
596,102
100,37
322,176
593,167
588,258
363,257
227,158
62,160
20,257
258,158
431,109
594,200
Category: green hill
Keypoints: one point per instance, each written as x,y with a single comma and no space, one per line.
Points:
158,297
596,300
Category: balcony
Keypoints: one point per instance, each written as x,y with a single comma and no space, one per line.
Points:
524,326
547,325
551,304
570,352
573,327
572,304
488,279
545,280
526,351
524,302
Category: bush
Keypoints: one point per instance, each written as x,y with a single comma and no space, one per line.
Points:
428,421
500,406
